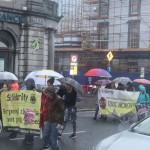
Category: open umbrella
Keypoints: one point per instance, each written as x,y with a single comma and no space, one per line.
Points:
7,76
73,83
41,76
142,81
123,80
102,81
98,72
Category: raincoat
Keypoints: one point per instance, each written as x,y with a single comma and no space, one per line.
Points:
143,96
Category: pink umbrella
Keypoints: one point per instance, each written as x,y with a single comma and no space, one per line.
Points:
142,81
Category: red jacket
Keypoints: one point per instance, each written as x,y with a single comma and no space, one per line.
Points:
43,110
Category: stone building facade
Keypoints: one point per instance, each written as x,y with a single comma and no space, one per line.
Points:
27,30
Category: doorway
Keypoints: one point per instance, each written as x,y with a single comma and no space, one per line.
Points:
7,52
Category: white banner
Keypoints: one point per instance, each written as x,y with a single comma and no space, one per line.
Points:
116,102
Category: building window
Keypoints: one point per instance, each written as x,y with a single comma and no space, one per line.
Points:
104,8
103,35
133,34
135,7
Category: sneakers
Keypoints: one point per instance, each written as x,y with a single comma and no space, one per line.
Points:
73,136
44,147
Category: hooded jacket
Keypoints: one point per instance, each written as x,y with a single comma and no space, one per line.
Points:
143,97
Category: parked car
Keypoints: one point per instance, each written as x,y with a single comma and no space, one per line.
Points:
137,137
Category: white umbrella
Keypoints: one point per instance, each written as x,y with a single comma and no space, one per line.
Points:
123,80
73,83
41,76
7,76
42,81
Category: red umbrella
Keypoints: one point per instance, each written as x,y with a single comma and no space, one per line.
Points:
142,81
98,72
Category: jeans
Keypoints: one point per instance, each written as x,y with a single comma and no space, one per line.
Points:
51,134
96,111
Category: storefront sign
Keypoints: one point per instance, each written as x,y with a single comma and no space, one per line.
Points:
37,20
11,17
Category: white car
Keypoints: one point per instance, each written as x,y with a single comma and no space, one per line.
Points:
136,138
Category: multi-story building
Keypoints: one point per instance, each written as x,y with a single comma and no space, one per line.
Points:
27,35
119,26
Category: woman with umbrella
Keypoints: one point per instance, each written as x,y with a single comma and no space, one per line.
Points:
70,108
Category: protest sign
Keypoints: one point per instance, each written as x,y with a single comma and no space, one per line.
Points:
14,104
115,102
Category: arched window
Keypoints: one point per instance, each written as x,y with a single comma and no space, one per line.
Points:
3,45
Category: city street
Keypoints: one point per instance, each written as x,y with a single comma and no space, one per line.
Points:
89,132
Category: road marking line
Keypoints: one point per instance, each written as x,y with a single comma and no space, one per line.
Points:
76,132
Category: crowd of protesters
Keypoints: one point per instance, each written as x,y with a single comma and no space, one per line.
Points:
55,111
59,107
143,96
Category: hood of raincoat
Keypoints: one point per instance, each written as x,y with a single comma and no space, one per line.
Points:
30,84
142,88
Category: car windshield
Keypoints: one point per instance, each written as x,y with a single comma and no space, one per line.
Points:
143,127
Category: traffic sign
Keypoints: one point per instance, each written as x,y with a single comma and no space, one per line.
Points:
74,58
110,56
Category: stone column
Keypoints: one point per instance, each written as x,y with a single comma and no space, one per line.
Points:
51,49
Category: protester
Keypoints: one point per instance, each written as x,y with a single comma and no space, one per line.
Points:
43,110
50,81
130,87
15,86
55,115
95,92
110,85
70,108
120,87
62,91
143,96
29,137
5,88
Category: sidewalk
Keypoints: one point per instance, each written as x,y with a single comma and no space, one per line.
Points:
85,103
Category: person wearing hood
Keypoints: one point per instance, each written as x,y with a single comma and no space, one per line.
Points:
29,137
143,96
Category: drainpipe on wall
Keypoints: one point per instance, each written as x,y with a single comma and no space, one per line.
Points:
51,49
